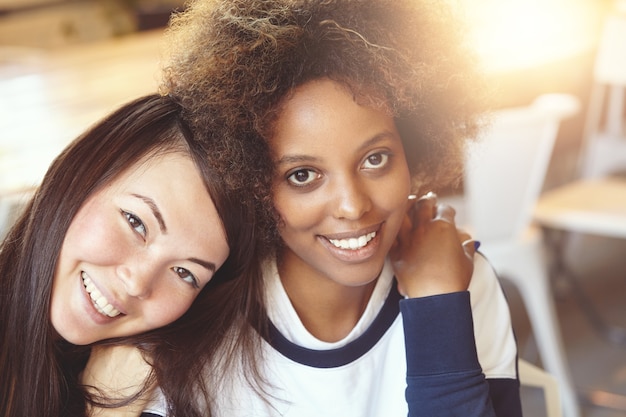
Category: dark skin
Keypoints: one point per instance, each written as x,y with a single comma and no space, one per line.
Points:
341,187
441,256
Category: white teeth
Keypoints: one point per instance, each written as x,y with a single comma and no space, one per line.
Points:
99,301
353,243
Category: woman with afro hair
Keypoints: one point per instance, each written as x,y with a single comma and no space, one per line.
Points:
350,113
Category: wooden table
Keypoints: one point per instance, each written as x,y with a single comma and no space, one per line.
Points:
593,206
48,97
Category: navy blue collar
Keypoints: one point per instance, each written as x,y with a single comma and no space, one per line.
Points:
349,353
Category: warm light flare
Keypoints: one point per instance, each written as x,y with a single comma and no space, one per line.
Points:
518,34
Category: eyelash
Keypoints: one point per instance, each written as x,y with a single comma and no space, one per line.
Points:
290,175
194,281
135,223
384,159
132,221
311,172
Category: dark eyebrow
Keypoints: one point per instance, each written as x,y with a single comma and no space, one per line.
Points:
155,211
208,265
377,138
295,159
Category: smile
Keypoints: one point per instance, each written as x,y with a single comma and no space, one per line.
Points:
353,243
98,300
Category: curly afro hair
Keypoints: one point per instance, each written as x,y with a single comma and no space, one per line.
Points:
232,63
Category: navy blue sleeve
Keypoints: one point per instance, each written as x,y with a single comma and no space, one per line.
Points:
444,376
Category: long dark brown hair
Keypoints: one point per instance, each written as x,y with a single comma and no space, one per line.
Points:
40,374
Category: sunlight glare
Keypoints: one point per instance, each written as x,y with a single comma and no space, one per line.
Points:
518,34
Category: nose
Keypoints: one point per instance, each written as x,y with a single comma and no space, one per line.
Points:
352,199
138,280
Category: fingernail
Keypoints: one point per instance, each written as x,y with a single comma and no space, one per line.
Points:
428,195
476,245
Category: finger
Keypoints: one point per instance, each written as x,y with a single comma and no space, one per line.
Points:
463,236
470,247
428,195
424,209
445,212
467,242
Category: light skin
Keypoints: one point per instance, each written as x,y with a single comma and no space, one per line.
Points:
341,189
117,372
137,253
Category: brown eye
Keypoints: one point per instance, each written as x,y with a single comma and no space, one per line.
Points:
186,276
376,160
135,223
302,177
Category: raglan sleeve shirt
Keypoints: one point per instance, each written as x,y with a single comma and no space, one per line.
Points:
460,351
460,359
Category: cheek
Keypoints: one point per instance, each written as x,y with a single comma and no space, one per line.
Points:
93,236
393,199
166,309
396,188
297,211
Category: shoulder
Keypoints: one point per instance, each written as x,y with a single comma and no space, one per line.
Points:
484,279
495,341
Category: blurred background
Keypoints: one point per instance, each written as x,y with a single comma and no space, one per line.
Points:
66,63
528,47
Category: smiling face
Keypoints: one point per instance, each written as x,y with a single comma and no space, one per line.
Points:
341,186
137,253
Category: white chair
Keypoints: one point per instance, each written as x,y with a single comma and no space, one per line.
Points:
603,148
504,176
595,206
532,376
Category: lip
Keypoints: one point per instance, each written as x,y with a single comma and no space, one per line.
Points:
93,313
353,255
354,234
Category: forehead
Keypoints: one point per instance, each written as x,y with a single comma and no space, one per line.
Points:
176,186
154,161
324,110
162,169
365,96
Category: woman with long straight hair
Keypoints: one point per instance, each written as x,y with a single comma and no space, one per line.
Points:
132,231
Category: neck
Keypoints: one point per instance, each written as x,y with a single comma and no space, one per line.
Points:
328,309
